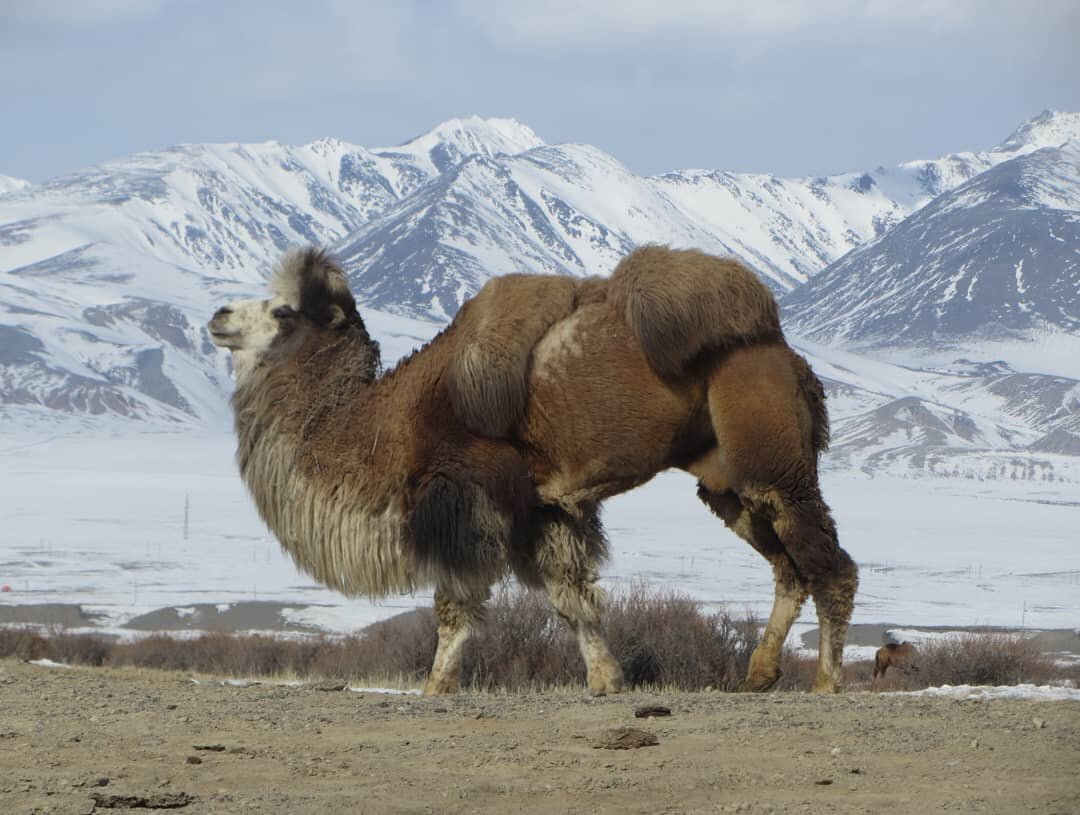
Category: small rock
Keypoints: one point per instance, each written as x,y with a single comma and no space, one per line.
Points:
974,743
1039,723
648,711
439,710
101,781
625,738
193,760
835,751
157,800
824,782
213,748
170,707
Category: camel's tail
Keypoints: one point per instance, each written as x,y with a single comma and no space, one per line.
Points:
681,303
813,392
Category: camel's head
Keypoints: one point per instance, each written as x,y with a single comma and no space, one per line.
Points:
310,293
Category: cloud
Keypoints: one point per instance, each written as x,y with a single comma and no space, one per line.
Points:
755,25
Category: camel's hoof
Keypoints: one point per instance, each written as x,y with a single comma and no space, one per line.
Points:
440,687
603,683
757,684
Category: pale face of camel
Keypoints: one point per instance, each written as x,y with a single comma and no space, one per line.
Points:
248,327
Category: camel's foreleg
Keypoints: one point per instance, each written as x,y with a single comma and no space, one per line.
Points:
458,612
569,551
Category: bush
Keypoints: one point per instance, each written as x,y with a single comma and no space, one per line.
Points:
661,640
664,640
967,659
982,659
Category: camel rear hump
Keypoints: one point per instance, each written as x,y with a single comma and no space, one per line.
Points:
682,302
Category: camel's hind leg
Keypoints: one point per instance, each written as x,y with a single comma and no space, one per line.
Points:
767,432
568,552
458,611
804,525
790,592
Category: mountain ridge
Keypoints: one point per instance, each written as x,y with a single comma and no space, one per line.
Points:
108,275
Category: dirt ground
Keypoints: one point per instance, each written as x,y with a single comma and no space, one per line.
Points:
78,740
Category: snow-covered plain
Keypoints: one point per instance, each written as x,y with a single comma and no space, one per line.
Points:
98,519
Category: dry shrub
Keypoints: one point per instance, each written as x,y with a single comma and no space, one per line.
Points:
662,639
216,653
78,649
798,672
981,659
402,646
976,658
22,643
521,644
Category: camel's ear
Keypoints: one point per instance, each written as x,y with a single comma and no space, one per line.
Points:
337,316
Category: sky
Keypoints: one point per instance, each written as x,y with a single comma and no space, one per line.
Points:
791,87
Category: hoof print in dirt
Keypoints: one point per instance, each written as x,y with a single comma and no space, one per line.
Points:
157,800
210,748
625,738
651,711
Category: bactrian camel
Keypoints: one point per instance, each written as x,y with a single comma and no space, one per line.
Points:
490,449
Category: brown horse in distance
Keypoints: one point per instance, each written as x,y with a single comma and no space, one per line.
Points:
894,655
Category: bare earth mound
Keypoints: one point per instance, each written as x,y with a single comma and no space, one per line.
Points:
73,737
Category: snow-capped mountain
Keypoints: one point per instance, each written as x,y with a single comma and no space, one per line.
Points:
995,257
9,184
574,209
108,275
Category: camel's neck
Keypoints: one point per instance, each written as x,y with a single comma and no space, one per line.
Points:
309,377
299,417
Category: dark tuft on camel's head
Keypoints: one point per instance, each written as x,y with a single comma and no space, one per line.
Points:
313,283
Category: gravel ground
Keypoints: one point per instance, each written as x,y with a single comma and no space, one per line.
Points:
83,740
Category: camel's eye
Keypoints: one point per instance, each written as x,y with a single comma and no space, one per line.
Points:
284,312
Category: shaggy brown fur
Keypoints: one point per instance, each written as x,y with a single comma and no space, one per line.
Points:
493,447
370,484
